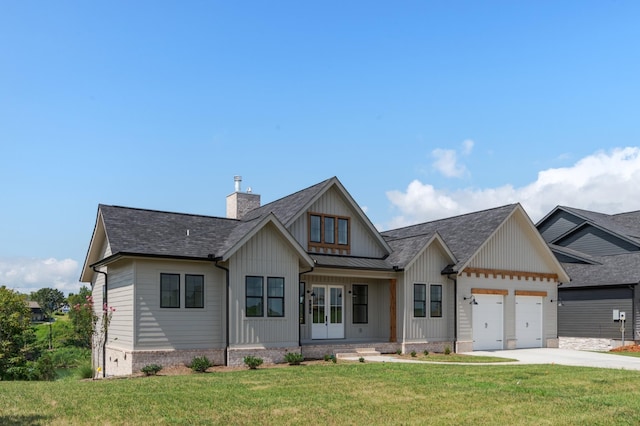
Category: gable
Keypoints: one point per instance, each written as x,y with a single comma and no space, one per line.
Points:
559,223
363,238
596,242
515,247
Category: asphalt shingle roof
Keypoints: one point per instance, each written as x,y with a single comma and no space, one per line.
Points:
156,233
462,234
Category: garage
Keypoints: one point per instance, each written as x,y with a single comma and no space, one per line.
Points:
488,314
528,322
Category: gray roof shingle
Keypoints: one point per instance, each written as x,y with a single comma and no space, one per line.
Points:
462,234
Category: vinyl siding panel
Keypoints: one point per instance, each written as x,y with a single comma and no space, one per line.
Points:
596,242
178,328
426,270
559,224
589,313
120,296
267,254
511,248
363,243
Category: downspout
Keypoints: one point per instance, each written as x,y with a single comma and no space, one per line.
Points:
106,331
304,304
455,312
226,347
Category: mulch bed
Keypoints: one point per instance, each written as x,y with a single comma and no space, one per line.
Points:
630,348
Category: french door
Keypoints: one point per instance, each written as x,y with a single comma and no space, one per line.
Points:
327,312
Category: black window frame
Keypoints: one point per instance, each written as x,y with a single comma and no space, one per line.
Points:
173,299
253,297
437,304
271,299
360,303
419,303
187,291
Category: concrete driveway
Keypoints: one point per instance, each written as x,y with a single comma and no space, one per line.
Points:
566,357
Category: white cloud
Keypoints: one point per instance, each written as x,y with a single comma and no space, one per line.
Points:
27,275
607,182
446,160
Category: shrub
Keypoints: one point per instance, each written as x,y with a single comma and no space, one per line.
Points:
293,358
69,357
413,354
200,364
252,362
447,350
327,357
399,351
361,359
85,371
151,369
426,352
46,368
334,359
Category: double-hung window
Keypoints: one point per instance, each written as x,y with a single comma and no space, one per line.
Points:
419,300
275,297
436,301
169,290
360,303
193,291
255,296
254,299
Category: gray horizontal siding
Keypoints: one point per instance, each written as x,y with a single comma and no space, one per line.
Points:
593,318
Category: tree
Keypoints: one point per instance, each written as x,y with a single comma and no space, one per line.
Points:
15,331
50,300
81,317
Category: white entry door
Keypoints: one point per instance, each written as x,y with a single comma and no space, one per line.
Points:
327,312
488,330
528,321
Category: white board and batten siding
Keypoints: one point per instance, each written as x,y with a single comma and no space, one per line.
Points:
427,270
266,254
178,328
363,243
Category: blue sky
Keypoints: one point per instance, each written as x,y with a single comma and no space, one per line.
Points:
422,109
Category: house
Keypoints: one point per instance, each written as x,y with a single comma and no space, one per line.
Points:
601,254
37,315
310,273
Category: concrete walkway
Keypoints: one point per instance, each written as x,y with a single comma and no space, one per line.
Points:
566,357
534,356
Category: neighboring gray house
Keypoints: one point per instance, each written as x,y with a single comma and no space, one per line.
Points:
601,254
37,315
310,273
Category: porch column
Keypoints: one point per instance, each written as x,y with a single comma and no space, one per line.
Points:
393,320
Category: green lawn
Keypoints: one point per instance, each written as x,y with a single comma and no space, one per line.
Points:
343,393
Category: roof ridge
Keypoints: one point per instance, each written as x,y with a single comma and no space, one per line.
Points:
167,212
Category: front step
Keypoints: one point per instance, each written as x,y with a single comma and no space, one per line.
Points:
359,352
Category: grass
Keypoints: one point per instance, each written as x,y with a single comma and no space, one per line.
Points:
343,393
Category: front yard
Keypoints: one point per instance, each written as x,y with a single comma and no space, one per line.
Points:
342,393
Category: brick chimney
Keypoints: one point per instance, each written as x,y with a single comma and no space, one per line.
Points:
241,203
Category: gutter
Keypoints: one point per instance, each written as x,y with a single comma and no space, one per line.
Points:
105,293
226,346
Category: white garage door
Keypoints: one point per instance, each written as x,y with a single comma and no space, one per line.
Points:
487,315
528,321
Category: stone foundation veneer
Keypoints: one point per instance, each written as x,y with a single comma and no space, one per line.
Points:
420,347
268,355
121,362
